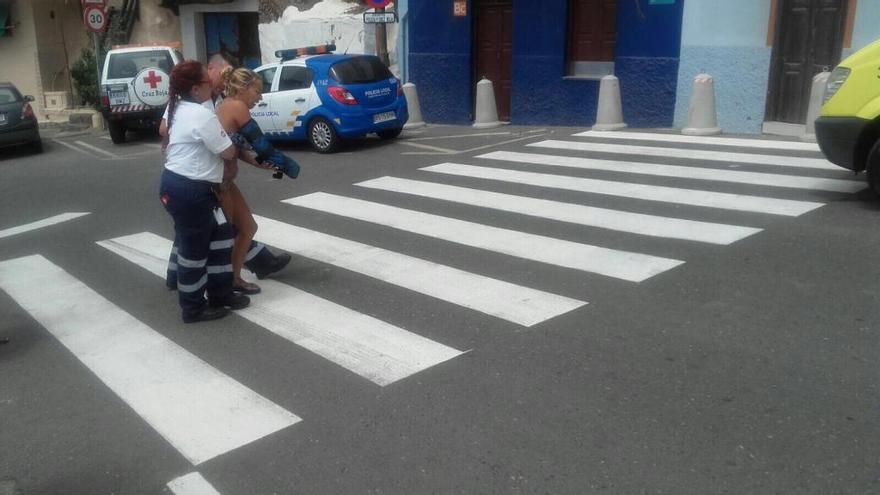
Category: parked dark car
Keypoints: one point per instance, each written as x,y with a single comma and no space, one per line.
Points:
18,124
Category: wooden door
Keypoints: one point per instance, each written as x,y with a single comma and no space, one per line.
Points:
592,26
493,44
809,38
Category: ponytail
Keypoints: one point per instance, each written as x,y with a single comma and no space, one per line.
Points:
184,76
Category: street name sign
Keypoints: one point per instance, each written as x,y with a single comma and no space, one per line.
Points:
380,17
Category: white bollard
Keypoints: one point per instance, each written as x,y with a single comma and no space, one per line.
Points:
817,94
702,120
486,113
609,115
412,102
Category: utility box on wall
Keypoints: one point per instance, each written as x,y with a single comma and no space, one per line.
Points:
56,100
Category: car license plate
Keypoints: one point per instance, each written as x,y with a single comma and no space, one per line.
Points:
383,117
119,98
2,119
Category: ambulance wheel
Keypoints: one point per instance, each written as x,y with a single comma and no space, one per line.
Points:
872,167
390,133
117,131
322,135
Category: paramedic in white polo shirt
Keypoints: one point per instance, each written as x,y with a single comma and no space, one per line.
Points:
194,166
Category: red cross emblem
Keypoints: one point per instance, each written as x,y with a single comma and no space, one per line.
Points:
152,79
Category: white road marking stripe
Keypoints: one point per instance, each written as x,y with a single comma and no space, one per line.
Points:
672,228
717,156
39,224
96,149
199,410
695,173
74,148
713,140
625,265
663,194
375,350
191,484
514,303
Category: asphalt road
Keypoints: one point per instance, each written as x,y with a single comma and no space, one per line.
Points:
518,346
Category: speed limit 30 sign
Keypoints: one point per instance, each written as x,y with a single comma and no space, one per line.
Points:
95,18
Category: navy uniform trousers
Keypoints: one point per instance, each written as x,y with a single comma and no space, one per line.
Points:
257,259
204,241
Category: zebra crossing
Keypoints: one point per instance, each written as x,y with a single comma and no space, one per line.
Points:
204,413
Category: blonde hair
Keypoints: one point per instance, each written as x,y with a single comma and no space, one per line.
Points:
237,80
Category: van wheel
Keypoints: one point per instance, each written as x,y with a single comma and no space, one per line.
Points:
117,131
873,168
322,135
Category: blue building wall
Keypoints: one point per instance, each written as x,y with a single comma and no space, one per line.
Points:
646,62
727,40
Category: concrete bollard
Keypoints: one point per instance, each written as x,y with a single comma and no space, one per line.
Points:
702,119
97,121
486,113
609,115
412,102
817,93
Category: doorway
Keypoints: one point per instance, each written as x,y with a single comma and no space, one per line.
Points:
809,38
493,46
235,36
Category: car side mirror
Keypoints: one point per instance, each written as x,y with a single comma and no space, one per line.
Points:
28,98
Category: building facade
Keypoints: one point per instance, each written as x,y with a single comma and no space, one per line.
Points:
763,55
39,43
546,58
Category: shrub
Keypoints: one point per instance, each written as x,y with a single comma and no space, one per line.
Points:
85,79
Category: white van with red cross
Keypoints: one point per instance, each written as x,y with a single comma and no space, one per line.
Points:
134,87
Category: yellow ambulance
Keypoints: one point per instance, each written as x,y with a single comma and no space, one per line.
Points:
848,130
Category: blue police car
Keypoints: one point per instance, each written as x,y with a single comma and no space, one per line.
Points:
324,97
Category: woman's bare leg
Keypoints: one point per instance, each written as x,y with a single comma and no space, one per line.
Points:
239,214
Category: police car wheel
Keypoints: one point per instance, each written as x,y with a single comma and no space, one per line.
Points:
117,132
322,136
872,168
390,133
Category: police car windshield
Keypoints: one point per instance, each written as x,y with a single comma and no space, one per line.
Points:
127,65
360,70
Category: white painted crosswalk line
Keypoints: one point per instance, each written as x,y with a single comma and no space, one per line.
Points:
624,265
679,172
765,144
39,224
375,350
511,302
717,156
191,484
708,199
199,410
624,221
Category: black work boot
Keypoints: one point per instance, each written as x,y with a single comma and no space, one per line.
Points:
232,301
273,266
207,313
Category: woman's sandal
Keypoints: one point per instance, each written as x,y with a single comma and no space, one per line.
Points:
245,288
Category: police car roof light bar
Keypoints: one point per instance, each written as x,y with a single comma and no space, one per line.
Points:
293,53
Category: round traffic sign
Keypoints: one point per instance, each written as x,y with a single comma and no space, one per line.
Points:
151,86
95,18
379,4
